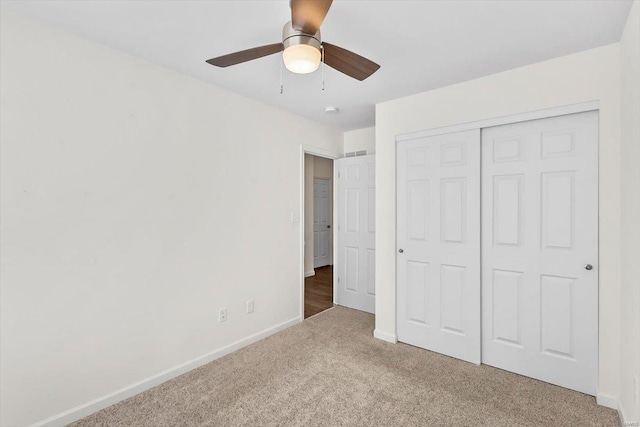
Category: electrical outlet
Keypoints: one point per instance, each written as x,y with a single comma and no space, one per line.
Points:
250,306
222,315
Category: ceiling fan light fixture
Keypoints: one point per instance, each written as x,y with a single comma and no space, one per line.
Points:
301,51
303,47
301,58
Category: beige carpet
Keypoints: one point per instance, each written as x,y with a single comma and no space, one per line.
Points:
330,371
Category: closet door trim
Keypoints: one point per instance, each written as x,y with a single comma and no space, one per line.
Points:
505,120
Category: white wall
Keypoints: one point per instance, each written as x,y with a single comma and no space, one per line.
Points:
360,139
135,202
630,292
585,76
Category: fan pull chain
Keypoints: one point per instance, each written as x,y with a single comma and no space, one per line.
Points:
281,85
322,48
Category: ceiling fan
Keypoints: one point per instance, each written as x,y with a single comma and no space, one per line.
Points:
303,47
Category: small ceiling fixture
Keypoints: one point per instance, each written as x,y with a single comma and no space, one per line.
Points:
331,109
303,47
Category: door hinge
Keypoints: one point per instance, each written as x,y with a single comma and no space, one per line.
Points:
338,175
338,279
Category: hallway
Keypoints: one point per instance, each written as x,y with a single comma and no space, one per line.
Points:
318,291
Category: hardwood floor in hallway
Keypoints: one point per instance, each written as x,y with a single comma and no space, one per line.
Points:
318,291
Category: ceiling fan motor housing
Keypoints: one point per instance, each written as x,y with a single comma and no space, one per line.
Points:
291,37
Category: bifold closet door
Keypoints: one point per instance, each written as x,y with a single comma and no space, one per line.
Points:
540,249
438,243
356,233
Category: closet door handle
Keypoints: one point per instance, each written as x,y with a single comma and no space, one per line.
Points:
401,250
588,267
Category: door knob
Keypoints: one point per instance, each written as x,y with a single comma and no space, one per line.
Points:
328,226
588,267
401,250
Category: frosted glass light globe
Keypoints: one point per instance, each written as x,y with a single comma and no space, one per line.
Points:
301,58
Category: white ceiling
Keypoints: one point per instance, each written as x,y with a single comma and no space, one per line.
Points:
421,45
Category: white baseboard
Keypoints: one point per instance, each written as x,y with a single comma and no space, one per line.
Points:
93,406
624,421
392,338
310,273
608,401
621,416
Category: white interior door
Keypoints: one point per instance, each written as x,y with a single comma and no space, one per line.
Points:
321,222
356,233
438,227
540,230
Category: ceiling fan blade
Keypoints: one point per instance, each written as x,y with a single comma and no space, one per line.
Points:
307,15
246,55
347,62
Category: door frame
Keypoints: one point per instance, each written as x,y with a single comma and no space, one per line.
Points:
327,154
498,121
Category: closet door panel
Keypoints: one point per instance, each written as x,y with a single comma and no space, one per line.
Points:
439,244
540,231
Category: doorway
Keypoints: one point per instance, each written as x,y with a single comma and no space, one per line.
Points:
318,234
